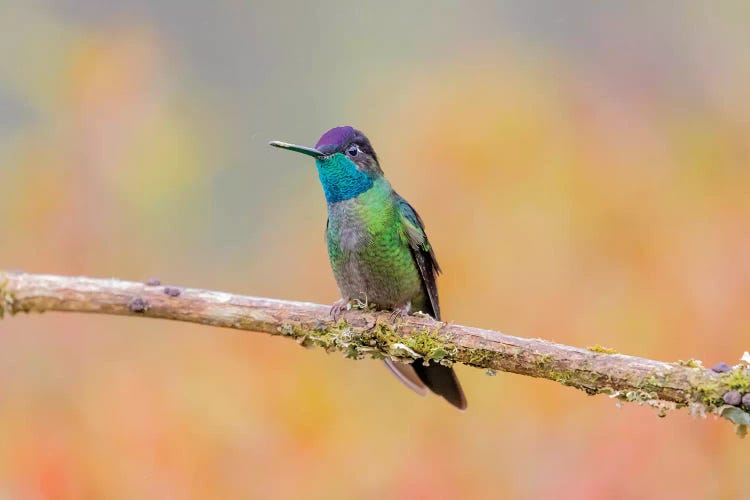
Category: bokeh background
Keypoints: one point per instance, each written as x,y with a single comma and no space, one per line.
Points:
583,169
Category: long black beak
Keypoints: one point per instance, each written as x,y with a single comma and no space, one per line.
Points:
299,149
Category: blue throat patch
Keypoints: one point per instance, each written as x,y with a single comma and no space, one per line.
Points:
341,179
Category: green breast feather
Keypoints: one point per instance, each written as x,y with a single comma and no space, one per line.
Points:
379,251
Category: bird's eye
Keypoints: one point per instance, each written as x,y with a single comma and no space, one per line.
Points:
352,151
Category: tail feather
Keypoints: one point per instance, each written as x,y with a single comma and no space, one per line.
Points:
406,374
439,379
442,380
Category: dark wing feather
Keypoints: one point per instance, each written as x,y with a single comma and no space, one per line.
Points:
440,379
422,252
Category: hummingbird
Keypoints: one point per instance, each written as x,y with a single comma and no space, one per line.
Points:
377,246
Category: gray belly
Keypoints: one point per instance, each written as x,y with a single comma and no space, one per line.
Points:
373,266
379,286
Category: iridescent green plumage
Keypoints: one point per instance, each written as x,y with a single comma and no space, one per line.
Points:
377,245
369,245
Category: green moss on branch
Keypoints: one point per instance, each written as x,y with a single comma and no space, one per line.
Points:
360,334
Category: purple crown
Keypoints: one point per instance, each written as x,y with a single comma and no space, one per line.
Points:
335,138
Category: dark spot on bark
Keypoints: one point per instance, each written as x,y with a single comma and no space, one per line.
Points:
733,398
721,367
138,305
172,291
153,282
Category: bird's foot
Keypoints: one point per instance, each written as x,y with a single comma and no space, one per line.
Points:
339,307
400,311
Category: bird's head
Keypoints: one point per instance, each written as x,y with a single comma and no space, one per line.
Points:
347,163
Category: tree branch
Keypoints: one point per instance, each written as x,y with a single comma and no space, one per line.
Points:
371,334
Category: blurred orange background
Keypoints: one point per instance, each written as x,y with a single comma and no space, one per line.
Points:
583,170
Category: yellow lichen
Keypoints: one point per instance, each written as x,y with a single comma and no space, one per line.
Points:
691,363
480,357
601,349
738,379
6,298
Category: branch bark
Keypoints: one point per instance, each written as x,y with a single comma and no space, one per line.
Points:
372,334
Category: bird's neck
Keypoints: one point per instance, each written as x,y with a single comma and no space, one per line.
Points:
341,180
371,211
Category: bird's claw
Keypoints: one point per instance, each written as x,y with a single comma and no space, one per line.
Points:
400,311
338,307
